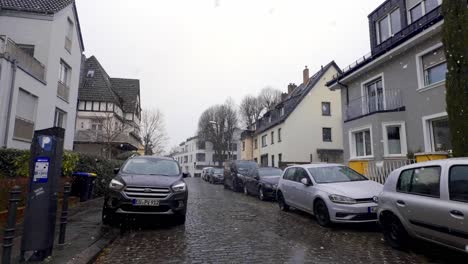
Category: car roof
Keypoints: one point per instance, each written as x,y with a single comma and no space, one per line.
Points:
316,165
152,157
439,162
268,168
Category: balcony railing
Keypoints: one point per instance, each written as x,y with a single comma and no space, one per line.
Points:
9,50
99,136
387,100
63,91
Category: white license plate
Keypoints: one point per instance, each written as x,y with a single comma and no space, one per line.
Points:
145,202
372,209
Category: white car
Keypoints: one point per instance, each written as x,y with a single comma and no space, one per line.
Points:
334,193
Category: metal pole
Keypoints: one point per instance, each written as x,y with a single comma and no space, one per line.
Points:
64,216
9,233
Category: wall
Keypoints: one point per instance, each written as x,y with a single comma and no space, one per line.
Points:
247,153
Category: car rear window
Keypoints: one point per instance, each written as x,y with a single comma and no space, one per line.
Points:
420,181
458,183
265,172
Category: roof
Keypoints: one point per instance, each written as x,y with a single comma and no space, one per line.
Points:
100,87
293,100
46,7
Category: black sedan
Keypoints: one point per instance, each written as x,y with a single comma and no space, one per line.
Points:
262,182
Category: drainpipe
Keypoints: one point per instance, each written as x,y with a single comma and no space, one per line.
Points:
347,92
10,102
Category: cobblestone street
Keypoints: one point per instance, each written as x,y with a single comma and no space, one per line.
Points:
227,227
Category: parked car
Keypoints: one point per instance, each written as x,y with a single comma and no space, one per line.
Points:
204,173
263,182
146,185
215,175
429,201
234,169
334,193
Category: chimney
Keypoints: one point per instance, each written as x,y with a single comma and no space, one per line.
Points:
291,87
284,95
305,75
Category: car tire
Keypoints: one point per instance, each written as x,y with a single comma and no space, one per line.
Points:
246,192
261,195
395,233
282,203
179,219
321,213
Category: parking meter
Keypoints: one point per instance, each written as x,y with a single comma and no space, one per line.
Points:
41,208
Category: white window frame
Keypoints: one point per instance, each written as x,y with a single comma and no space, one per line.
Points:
428,132
364,91
266,139
420,71
390,29
67,73
403,142
64,117
352,142
423,7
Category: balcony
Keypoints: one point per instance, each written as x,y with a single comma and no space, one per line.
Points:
63,91
386,101
10,51
100,137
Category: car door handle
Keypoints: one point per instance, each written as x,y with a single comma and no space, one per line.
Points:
456,213
400,203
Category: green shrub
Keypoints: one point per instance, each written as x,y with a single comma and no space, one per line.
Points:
9,161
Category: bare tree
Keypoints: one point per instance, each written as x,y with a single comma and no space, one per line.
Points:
269,97
173,151
250,110
153,131
217,125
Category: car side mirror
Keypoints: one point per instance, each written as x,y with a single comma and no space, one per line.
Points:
116,170
305,181
184,175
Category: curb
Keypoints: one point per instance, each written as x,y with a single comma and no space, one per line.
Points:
90,254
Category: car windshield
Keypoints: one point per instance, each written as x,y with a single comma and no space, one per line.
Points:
246,166
269,172
333,174
143,166
218,170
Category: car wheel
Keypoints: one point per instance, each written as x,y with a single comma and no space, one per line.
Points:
261,195
246,192
180,219
282,203
394,232
321,213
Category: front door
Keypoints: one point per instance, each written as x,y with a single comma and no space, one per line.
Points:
304,192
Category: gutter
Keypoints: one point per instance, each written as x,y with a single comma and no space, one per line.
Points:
10,102
347,90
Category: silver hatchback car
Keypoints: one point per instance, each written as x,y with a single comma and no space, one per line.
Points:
331,192
429,201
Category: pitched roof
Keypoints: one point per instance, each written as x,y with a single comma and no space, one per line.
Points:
100,87
128,90
35,6
292,101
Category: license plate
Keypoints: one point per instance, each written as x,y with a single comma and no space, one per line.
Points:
372,209
145,202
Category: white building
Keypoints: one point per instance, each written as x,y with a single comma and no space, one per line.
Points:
194,155
40,59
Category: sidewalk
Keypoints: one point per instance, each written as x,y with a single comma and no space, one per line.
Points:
85,236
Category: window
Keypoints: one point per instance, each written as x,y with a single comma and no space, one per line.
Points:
326,134
269,119
272,160
394,137
289,174
272,137
201,157
95,106
422,8
279,134
69,36
110,107
430,5
64,74
97,125
458,183
264,140
388,26
282,111
201,144
243,145
28,49
440,134
434,66
421,181
60,118
81,105
300,174
256,143
374,96
361,143
280,159
326,109
26,108
416,12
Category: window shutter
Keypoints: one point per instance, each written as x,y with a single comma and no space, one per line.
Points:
432,58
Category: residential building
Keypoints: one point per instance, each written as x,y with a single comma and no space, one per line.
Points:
304,127
108,112
195,154
40,59
394,98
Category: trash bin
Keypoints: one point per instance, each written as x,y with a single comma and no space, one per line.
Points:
83,185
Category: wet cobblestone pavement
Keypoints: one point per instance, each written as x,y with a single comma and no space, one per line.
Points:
227,227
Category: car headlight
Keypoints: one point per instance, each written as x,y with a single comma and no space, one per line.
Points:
179,187
116,185
341,199
375,199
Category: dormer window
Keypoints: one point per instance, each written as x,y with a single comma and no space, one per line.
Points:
421,8
282,111
388,26
90,74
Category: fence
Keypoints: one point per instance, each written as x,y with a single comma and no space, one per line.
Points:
390,99
379,170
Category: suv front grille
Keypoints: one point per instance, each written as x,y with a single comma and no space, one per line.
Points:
146,192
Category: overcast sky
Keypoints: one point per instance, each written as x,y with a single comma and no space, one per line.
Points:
190,54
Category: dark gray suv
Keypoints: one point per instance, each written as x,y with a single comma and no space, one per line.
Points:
146,185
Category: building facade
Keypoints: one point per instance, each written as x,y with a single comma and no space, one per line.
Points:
394,98
108,112
304,127
40,59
